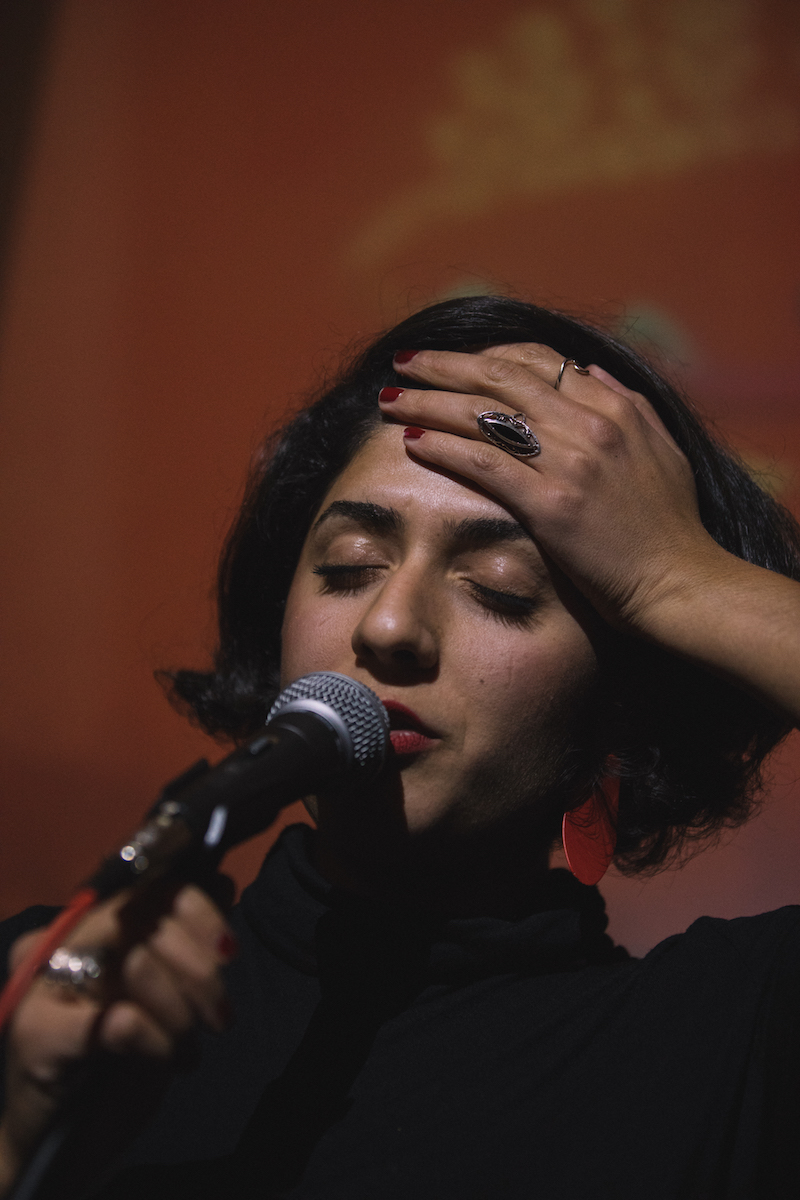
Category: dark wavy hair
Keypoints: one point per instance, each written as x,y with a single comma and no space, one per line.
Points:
690,746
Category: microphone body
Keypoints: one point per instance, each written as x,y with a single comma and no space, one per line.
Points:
323,728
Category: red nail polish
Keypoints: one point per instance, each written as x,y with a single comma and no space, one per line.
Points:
404,356
227,947
413,432
387,395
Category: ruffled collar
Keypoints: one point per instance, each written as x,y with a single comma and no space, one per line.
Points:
299,916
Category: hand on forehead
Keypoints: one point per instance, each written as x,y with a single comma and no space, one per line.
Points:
545,363
597,479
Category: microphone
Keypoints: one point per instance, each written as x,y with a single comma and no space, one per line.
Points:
324,728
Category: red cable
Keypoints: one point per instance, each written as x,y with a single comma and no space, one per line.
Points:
27,970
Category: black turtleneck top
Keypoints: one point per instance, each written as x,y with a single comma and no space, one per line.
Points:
381,1056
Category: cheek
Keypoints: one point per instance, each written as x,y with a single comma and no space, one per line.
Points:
296,638
314,636
531,684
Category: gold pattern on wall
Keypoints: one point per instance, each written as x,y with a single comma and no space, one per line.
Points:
598,91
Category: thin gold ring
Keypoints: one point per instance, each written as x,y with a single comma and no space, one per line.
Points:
568,362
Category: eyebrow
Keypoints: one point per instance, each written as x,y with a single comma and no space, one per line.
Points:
479,533
473,533
373,517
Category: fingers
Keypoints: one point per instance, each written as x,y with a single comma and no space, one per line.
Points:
450,412
174,976
539,358
522,380
565,424
202,921
611,382
522,377
127,1028
499,372
149,995
24,946
50,1030
543,361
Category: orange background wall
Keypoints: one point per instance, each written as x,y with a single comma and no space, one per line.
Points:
220,195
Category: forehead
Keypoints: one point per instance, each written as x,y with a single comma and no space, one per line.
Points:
384,469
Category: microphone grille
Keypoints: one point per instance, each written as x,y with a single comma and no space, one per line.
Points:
355,711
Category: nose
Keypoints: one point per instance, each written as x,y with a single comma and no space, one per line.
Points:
399,628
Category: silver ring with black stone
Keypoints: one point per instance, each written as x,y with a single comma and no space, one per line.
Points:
511,434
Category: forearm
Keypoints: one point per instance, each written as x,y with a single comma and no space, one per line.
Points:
741,622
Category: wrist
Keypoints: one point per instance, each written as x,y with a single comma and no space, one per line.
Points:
678,598
737,620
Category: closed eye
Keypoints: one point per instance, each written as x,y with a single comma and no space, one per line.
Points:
507,606
345,579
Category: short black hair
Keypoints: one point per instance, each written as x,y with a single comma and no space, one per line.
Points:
690,746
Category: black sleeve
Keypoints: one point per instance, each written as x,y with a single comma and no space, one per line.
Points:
32,918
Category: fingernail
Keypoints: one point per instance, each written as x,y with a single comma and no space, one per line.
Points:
413,432
227,947
404,356
387,395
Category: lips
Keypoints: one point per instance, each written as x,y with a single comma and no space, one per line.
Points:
407,733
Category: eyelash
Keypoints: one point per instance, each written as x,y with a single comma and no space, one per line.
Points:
345,579
506,606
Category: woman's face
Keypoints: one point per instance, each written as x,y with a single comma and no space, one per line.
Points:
431,593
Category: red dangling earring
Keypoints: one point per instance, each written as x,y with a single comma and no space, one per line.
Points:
589,833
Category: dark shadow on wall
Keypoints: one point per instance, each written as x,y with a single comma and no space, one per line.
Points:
26,28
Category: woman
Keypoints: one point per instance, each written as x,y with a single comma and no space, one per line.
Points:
559,585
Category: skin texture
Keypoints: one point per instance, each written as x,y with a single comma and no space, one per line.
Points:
432,594
491,642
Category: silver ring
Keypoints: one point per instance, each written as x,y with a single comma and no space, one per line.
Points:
511,434
569,362
74,970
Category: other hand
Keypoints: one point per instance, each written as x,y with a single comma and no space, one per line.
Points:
148,998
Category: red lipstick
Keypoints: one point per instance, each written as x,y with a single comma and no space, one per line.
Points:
407,733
